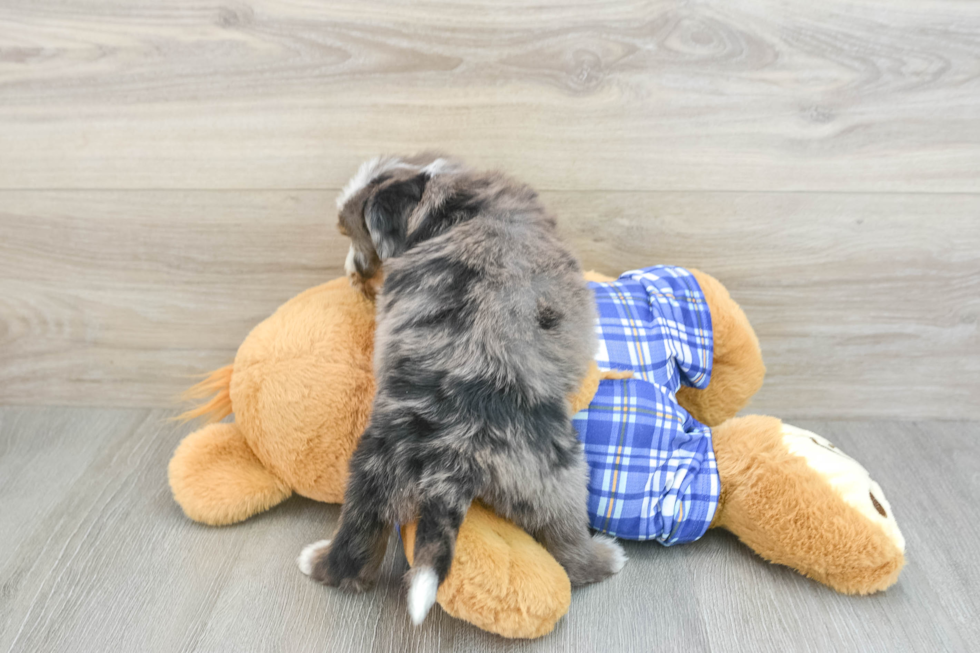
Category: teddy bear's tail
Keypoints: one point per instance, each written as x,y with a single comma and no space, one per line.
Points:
217,386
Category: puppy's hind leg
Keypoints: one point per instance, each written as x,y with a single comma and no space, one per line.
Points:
586,558
440,516
351,562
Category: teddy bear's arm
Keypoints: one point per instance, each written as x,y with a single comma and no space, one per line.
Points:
737,369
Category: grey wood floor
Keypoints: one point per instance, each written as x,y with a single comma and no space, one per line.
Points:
95,556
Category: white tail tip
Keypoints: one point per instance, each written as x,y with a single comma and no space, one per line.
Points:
309,555
422,593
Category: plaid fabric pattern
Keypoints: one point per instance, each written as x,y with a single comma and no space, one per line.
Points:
652,466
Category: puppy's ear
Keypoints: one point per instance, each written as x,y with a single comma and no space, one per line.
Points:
387,212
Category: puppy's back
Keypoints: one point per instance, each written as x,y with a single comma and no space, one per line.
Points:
497,298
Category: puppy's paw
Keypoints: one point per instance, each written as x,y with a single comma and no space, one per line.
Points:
604,558
313,558
314,561
609,551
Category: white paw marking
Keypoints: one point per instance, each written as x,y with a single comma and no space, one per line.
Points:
618,555
309,554
422,594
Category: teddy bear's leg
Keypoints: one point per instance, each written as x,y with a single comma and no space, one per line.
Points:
797,500
217,479
737,369
501,579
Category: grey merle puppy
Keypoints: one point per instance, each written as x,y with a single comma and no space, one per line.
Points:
484,328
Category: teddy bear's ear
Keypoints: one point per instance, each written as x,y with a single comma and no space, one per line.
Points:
387,210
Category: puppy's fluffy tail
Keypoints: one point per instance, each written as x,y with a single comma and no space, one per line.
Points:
435,543
423,584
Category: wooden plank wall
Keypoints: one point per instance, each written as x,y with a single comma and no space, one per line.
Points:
167,172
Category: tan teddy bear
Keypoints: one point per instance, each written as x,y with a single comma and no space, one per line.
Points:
301,388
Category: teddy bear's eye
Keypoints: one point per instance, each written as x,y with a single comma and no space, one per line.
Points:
878,506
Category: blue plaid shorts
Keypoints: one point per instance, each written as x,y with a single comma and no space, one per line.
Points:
652,466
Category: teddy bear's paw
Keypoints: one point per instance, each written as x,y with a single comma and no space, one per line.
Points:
310,554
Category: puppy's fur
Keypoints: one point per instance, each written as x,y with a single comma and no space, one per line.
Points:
484,327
